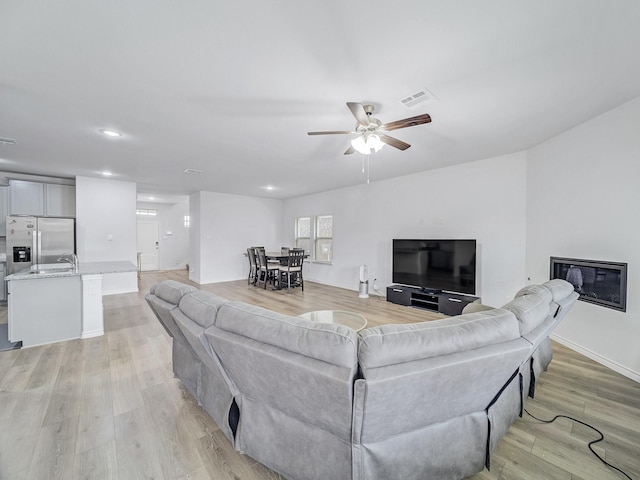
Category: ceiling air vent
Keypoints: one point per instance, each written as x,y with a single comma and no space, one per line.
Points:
193,171
422,97
7,141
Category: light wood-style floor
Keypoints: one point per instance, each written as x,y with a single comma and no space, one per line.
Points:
109,407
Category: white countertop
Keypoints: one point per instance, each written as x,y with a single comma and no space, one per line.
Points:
85,268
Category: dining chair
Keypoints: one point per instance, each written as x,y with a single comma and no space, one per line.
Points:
253,266
284,251
266,271
293,270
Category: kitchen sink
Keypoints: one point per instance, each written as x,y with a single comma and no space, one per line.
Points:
52,268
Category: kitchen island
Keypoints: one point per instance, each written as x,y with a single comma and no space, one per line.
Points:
56,302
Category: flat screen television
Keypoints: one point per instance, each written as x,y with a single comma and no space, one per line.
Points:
435,265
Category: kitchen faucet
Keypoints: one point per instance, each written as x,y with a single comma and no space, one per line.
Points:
73,261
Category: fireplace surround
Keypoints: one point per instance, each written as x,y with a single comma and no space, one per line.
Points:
597,282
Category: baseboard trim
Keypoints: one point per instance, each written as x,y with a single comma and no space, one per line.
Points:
94,333
119,291
372,293
616,367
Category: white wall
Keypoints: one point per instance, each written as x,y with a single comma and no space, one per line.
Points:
106,227
223,226
173,248
582,202
485,200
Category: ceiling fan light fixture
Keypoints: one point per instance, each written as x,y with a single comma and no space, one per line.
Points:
367,145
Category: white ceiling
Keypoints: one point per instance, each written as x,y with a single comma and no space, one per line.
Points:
231,88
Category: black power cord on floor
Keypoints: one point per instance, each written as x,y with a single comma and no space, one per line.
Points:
590,443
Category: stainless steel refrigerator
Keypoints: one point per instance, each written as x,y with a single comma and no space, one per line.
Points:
38,240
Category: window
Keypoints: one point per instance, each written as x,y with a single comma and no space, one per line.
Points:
147,211
303,233
324,238
316,237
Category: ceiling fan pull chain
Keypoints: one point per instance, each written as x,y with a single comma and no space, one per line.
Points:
368,169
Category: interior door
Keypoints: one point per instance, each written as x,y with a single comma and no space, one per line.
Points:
148,238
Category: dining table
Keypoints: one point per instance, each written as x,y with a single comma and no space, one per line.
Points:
277,257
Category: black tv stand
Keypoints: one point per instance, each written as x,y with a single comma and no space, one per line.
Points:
431,291
446,303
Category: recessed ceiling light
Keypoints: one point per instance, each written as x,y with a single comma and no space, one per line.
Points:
111,133
107,173
269,187
192,171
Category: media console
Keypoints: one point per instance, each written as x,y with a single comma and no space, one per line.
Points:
441,302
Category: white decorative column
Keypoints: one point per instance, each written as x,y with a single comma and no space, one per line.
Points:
92,316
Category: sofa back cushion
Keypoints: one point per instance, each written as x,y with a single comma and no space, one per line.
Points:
334,344
559,309
201,307
289,364
535,290
558,292
560,289
531,309
391,344
420,375
171,291
295,382
163,298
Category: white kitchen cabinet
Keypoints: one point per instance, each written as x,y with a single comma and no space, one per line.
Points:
4,209
41,199
42,311
3,286
51,305
26,198
60,200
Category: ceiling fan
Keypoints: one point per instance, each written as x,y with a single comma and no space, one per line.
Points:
371,132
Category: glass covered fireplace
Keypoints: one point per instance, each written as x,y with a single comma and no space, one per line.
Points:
602,283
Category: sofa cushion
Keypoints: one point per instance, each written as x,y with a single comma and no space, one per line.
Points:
534,290
201,307
559,289
530,309
335,344
165,297
295,383
171,291
392,344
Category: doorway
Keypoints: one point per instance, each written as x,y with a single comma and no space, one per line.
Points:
148,244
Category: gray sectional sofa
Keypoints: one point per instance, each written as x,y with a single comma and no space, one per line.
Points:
321,401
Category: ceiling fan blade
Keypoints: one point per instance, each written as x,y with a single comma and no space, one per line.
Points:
358,111
394,142
407,122
350,150
333,132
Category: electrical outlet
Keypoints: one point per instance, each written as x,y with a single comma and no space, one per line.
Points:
375,285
